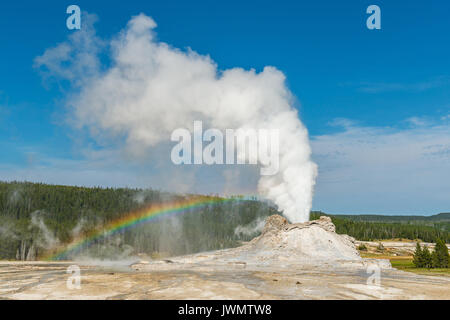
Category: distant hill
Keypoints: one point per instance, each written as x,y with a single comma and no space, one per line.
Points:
441,217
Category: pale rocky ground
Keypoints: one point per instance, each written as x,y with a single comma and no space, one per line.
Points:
288,261
395,248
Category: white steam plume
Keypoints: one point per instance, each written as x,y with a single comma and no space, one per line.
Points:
252,228
48,238
150,89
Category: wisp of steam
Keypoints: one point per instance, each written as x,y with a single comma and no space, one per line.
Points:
148,89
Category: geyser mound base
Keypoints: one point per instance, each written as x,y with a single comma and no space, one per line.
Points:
308,241
280,245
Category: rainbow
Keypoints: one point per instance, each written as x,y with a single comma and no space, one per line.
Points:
133,219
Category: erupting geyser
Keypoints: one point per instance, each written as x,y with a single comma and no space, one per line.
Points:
150,89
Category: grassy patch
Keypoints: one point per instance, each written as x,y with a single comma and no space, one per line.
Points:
406,264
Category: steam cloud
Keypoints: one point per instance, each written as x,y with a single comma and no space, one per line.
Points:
150,89
48,239
252,228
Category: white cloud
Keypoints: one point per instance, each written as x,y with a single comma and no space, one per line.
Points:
342,122
384,170
75,60
362,170
380,87
418,121
110,169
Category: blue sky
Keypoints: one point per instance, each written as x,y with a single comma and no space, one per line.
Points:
389,88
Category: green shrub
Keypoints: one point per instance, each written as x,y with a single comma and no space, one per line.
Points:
418,256
362,247
440,255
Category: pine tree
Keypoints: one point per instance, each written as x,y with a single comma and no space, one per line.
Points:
440,255
418,256
426,258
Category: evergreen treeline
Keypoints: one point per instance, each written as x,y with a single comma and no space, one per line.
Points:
369,231
440,221
438,259
36,217
402,219
33,216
